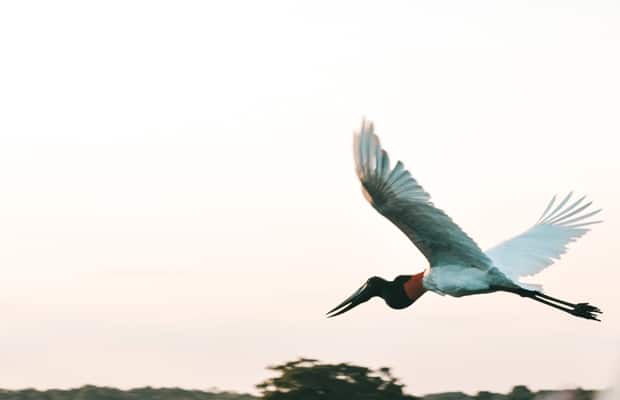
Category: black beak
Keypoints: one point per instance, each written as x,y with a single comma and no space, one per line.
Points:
360,296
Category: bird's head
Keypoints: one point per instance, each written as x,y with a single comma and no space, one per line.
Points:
393,292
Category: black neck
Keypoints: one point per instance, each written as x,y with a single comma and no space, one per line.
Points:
394,292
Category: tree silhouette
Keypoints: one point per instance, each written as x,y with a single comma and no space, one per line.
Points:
307,379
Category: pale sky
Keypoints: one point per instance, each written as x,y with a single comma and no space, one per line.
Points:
178,205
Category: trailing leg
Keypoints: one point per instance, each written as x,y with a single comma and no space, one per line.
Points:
583,305
582,310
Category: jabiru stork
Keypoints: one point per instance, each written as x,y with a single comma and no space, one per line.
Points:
458,267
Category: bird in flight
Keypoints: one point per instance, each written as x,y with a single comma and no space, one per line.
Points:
458,267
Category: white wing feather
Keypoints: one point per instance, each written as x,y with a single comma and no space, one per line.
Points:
400,198
546,241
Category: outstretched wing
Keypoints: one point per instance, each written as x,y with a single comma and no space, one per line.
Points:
546,241
398,197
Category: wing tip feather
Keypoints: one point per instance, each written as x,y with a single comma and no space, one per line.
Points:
567,213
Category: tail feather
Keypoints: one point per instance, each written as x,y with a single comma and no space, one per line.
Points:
530,286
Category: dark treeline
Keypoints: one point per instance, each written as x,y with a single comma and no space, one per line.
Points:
302,379
148,393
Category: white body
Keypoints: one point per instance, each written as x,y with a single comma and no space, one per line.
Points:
457,281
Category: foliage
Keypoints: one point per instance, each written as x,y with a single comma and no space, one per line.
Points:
148,393
307,379
104,393
302,379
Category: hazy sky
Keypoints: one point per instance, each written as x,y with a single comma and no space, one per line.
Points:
178,205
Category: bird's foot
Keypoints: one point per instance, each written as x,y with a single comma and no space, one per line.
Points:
587,311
